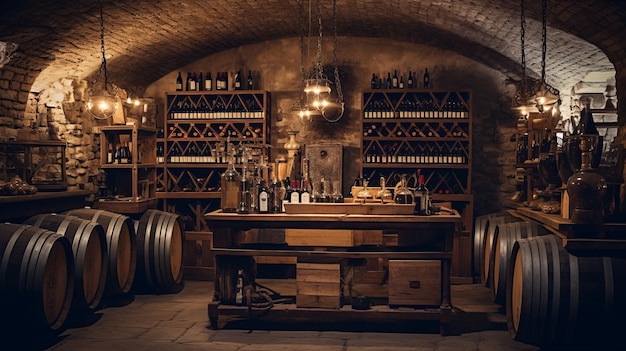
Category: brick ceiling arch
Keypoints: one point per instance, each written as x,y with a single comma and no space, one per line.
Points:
146,39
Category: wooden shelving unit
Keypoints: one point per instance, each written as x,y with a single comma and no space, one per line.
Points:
404,131
131,185
191,158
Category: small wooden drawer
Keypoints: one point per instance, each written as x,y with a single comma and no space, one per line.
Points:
414,282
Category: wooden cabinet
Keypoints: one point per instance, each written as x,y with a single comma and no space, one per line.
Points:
406,131
128,157
192,158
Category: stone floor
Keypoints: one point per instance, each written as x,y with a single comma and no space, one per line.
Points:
179,322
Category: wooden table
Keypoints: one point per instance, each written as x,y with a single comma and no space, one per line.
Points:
438,229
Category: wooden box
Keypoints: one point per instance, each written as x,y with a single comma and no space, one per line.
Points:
318,285
333,237
415,282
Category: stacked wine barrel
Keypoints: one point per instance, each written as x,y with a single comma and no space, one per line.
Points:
36,278
121,243
161,238
484,228
89,250
556,299
54,266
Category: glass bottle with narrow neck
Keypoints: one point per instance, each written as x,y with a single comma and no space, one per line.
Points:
422,197
231,195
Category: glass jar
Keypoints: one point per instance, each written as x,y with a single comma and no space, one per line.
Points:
403,195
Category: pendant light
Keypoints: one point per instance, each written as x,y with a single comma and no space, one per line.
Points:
103,100
546,96
318,87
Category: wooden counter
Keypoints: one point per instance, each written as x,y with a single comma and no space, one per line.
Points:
606,239
436,230
19,207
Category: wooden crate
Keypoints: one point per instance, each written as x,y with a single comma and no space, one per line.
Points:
415,282
333,237
318,285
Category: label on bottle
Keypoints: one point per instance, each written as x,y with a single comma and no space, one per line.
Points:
264,205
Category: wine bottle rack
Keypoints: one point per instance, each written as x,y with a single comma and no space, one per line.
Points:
407,130
197,127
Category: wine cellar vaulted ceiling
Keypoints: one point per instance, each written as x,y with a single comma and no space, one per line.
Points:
146,39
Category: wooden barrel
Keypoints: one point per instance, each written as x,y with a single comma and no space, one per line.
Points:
481,223
504,237
160,242
36,278
491,227
121,243
90,255
555,298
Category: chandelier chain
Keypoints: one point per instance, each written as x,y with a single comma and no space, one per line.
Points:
335,60
523,44
543,38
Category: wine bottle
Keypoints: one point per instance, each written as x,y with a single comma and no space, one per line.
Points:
264,198
401,83
288,191
394,80
426,79
250,82
110,154
188,82
410,83
179,82
295,192
422,196
199,82
237,84
305,194
374,82
208,82
388,83
192,82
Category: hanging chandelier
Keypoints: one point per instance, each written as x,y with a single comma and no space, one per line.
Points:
317,89
103,100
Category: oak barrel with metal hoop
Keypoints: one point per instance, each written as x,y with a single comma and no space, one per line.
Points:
160,243
90,254
121,243
481,223
558,299
490,229
504,237
36,278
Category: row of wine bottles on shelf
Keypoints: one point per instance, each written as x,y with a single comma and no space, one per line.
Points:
234,114
380,108
217,109
423,131
530,149
194,154
121,154
195,82
244,131
398,82
455,156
